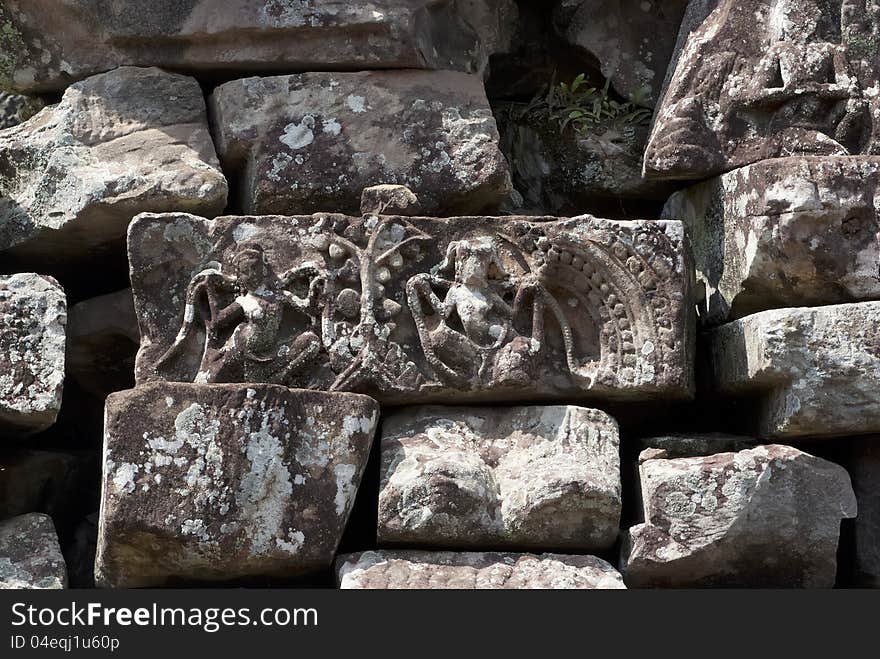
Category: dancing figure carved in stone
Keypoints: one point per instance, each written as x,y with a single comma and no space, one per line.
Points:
255,328
472,302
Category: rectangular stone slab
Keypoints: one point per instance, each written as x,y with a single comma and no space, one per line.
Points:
417,309
30,557
33,318
532,477
313,141
815,371
117,144
785,232
388,570
762,517
218,482
48,43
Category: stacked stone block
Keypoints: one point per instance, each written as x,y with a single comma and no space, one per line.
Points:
331,253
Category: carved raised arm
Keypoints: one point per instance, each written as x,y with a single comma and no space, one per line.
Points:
448,262
419,288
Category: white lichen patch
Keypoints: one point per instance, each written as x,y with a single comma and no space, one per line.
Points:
123,477
345,486
299,135
355,103
264,492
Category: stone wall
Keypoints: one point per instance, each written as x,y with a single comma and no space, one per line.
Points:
440,294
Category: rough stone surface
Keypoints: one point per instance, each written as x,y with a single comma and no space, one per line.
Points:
814,370
757,79
416,309
763,517
389,199
47,45
15,108
564,171
864,467
30,557
690,446
103,340
33,315
73,176
473,571
784,233
523,477
51,482
312,142
217,482
633,40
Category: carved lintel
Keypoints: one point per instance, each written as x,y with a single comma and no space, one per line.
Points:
416,309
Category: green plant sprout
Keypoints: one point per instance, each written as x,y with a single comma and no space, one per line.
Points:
585,109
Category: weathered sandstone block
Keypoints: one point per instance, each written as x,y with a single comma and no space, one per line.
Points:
73,176
633,40
784,233
47,44
30,557
33,314
217,482
864,467
522,477
313,141
410,309
815,370
763,517
758,79
103,339
473,571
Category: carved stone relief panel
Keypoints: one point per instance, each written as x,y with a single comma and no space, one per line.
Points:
416,309
757,79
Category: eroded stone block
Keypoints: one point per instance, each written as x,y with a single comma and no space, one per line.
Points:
758,79
313,141
762,517
523,477
33,315
218,482
416,309
784,233
47,45
814,370
73,176
30,557
473,571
